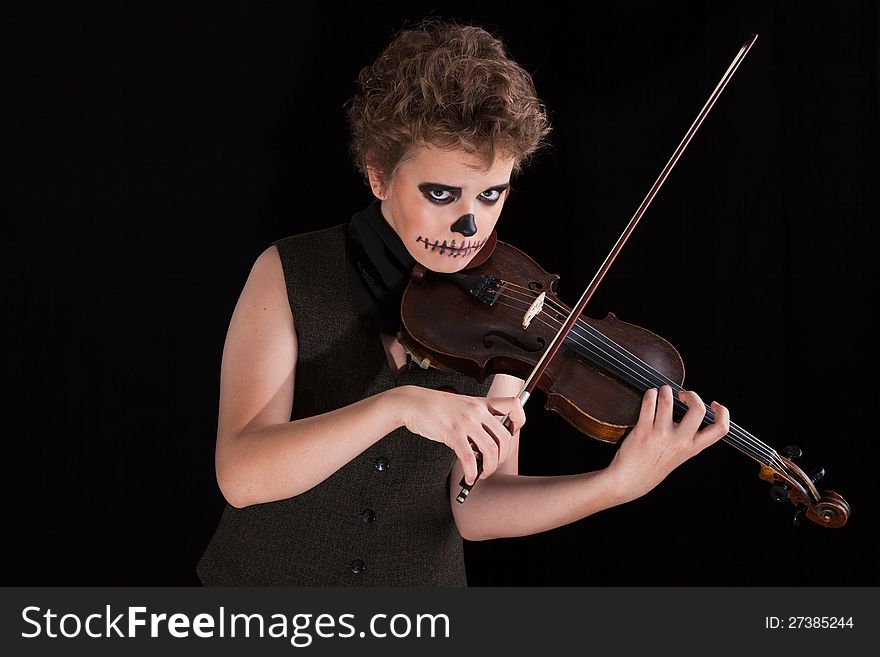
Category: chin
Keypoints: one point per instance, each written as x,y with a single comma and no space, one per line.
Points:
444,264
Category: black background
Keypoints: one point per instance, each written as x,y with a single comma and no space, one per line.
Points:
152,154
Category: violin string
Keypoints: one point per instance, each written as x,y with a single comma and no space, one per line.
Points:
647,376
638,379
637,365
643,373
750,448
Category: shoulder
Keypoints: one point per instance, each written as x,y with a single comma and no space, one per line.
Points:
267,267
309,262
287,261
290,245
266,285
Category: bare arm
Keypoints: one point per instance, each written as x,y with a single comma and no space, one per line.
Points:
261,455
506,505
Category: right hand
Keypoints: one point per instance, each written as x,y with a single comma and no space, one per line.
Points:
458,421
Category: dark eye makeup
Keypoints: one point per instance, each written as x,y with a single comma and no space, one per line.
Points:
440,194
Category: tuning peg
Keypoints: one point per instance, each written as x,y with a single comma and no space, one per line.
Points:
817,474
779,493
792,452
801,510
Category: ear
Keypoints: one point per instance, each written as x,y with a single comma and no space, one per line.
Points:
377,182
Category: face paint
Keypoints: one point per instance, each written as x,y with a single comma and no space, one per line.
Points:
449,248
444,204
465,225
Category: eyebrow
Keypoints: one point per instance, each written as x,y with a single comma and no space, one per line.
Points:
425,186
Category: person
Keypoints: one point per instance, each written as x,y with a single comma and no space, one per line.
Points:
338,458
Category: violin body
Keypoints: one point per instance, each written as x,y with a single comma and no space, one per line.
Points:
454,330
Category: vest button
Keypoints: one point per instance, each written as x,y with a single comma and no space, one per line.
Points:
382,464
358,566
368,515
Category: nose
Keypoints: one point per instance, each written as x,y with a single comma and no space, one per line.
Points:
465,225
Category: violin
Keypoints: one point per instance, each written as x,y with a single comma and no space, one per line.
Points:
596,380
594,372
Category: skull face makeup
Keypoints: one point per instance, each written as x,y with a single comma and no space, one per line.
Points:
443,204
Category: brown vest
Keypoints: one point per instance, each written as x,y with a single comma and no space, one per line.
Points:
383,519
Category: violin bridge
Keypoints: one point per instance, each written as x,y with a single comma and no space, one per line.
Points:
533,310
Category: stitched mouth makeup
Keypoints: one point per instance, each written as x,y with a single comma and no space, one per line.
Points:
463,249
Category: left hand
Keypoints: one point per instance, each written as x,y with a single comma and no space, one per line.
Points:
657,445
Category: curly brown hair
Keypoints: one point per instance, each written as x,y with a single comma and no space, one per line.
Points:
445,85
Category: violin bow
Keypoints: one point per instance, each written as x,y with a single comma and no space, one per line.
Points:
532,381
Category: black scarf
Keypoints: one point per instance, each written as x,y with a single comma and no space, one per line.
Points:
379,268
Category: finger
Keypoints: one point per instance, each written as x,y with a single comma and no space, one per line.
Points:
501,435
514,421
696,411
488,447
663,417
510,407
715,431
646,413
504,448
517,418
468,459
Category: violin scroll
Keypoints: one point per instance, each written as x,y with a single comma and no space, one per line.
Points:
828,509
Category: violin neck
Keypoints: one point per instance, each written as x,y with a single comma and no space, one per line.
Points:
736,436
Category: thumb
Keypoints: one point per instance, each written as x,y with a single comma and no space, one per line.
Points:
510,407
